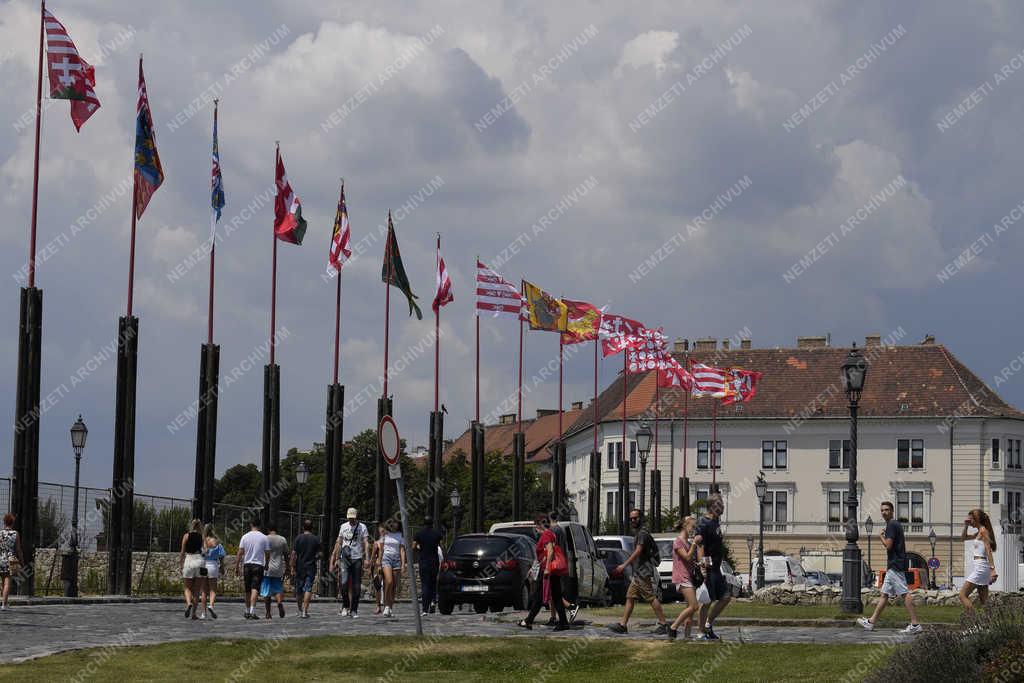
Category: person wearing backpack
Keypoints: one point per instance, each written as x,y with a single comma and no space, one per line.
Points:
646,584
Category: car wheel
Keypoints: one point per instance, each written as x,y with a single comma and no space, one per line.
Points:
480,607
523,599
445,606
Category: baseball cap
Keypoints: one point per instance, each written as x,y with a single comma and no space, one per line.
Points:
352,514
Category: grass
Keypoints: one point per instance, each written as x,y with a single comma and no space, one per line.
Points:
351,658
892,616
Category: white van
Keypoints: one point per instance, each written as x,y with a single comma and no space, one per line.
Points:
781,569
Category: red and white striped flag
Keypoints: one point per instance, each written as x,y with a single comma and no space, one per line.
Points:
672,374
496,295
341,238
71,77
444,283
708,380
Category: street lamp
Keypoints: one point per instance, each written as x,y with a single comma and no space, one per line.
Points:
78,434
750,561
931,539
456,501
643,445
854,371
761,489
301,477
869,526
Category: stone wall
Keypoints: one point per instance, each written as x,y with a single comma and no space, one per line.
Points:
159,574
821,595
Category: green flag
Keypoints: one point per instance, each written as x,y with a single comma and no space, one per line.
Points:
393,272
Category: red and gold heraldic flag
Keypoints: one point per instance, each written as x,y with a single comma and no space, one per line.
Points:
543,311
583,322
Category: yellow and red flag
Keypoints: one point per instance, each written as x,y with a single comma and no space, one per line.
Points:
583,322
543,311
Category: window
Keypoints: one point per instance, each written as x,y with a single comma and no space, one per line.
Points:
1014,509
702,493
839,454
632,500
702,455
632,455
609,510
774,455
995,496
995,452
910,454
838,508
910,509
1013,459
614,454
775,508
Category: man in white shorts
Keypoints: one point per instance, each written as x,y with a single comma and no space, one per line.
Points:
895,583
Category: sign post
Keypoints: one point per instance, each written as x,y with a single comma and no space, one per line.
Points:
390,447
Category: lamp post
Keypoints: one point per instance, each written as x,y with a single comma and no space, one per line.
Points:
750,562
78,434
931,539
869,526
643,445
456,501
761,489
301,477
854,371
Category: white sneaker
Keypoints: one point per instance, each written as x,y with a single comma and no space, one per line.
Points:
344,611
354,615
202,616
388,612
865,624
912,629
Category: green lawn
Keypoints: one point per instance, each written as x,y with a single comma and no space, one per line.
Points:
892,616
353,658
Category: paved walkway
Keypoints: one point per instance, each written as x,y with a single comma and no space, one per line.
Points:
38,630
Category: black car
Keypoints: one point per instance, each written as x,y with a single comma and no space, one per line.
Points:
612,558
488,571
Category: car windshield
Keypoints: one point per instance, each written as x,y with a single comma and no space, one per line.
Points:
481,546
613,543
528,531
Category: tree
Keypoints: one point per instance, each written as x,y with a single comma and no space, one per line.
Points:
239,486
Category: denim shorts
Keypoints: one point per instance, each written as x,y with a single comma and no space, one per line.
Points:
895,583
393,561
304,584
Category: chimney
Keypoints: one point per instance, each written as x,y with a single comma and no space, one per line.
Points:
873,340
811,342
705,344
681,345
725,344
577,405
929,339
544,413
744,343
507,419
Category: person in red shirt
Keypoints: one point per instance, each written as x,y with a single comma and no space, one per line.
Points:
547,549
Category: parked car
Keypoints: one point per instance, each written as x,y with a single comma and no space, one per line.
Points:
816,578
487,571
627,543
587,582
782,569
612,558
735,584
668,589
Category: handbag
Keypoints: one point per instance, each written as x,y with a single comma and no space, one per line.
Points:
559,564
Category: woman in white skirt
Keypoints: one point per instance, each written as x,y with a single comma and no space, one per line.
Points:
214,560
192,567
982,568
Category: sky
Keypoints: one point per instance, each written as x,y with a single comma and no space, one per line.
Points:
785,169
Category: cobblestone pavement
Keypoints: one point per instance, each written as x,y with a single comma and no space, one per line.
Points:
38,630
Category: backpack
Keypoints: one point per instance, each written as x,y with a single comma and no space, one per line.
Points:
653,553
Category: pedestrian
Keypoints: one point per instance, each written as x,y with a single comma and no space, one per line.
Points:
376,573
895,583
214,560
392,563
350,551
274,570
11,560
252,552
427,542
683,552
983,542
551,568
571,605
190,560
646,582
710,553
305,558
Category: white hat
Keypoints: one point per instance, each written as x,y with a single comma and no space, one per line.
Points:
352,514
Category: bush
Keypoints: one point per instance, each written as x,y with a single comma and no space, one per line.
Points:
988,646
